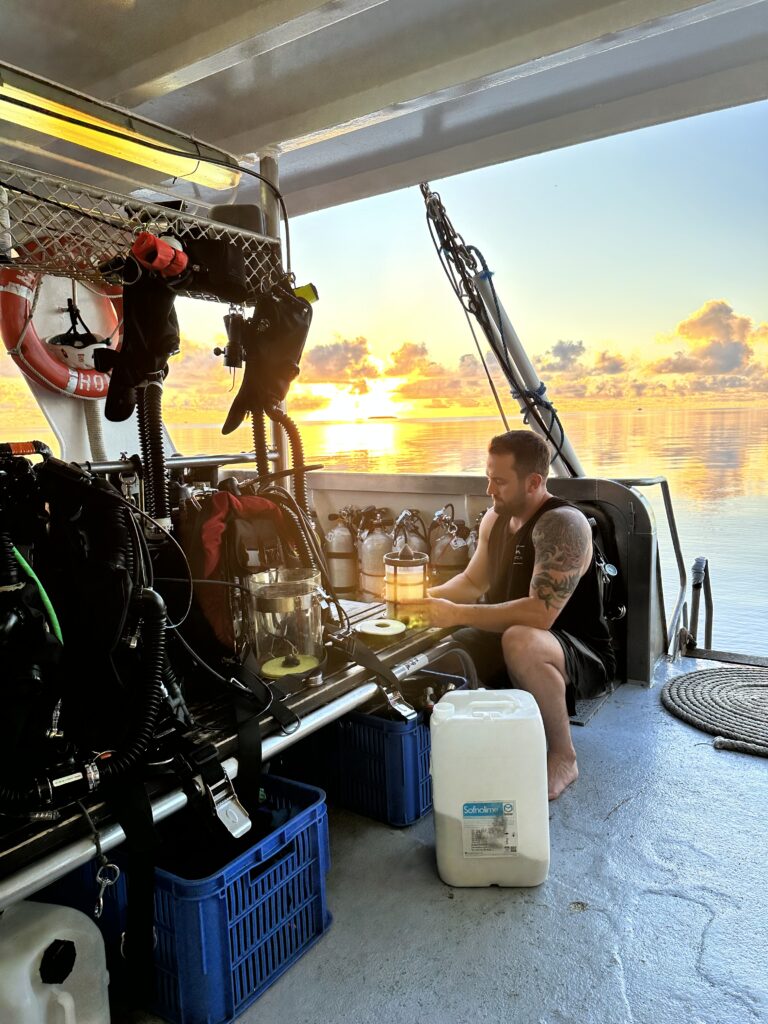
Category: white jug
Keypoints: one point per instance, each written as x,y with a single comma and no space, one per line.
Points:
27,930
489,788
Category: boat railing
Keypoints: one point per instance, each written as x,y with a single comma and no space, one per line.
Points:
680,611
700,580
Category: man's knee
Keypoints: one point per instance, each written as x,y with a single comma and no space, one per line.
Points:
519,645
528,651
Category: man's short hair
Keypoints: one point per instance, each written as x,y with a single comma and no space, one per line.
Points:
530,450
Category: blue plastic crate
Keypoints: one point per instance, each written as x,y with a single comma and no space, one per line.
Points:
222,940
371,765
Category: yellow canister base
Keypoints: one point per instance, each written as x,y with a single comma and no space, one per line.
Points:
275,669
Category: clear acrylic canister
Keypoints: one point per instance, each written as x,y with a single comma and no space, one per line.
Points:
288,623
405,581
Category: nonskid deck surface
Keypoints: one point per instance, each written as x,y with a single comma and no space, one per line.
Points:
655,910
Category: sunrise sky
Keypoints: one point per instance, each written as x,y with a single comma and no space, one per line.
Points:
633,268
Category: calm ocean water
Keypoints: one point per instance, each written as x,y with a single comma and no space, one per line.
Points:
716,462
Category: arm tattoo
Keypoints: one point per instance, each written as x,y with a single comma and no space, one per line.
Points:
562,541
554,591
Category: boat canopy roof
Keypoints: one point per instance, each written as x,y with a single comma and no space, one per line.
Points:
360,97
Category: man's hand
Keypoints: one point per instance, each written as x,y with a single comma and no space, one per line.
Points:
436,610
441,612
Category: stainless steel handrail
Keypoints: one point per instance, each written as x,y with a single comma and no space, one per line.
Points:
172,462
59,863
700,580
661,481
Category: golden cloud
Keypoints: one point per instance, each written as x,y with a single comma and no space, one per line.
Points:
412,359
718,344
338,362
715,321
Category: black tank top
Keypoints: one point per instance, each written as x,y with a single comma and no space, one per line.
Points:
511,557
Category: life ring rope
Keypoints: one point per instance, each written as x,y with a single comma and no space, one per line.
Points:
32,297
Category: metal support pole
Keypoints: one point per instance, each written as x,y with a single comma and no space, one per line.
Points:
268,167
519,357
558,466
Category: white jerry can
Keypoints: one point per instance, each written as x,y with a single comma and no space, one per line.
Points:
53,967
489,788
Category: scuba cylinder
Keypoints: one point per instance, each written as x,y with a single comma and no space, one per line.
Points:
374,542
341,551
449,552
474,533
441,520
410,529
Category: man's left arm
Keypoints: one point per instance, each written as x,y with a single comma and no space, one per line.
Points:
562,542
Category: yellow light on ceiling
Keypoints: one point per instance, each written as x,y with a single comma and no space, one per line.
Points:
90,132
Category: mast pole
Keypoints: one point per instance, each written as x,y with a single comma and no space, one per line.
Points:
509,338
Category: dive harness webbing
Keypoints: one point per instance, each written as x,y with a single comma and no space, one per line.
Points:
129,800
353,648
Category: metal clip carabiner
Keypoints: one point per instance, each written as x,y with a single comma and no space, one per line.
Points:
104,882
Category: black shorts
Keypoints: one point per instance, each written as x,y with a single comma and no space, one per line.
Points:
586,674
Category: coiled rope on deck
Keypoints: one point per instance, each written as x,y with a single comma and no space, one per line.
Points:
729,703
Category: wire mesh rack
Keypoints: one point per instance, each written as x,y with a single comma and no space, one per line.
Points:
54,226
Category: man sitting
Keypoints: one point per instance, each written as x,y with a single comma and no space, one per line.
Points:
540,625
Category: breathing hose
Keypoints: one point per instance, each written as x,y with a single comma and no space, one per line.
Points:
94,424
306,554
259,427
153,450
9,569
43,595
153,654
286,502
141,419
297,455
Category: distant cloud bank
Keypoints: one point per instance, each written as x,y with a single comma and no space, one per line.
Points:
713,352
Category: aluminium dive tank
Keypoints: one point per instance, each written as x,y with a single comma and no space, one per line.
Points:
449,555
340,547
373,545
448,549
489,788
410,529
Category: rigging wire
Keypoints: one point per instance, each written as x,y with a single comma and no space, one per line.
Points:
484,364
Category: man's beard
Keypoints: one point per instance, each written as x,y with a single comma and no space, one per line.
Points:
515,507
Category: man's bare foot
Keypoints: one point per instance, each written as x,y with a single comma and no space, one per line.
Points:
561,772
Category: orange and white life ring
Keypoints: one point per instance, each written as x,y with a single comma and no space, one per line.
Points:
19,290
